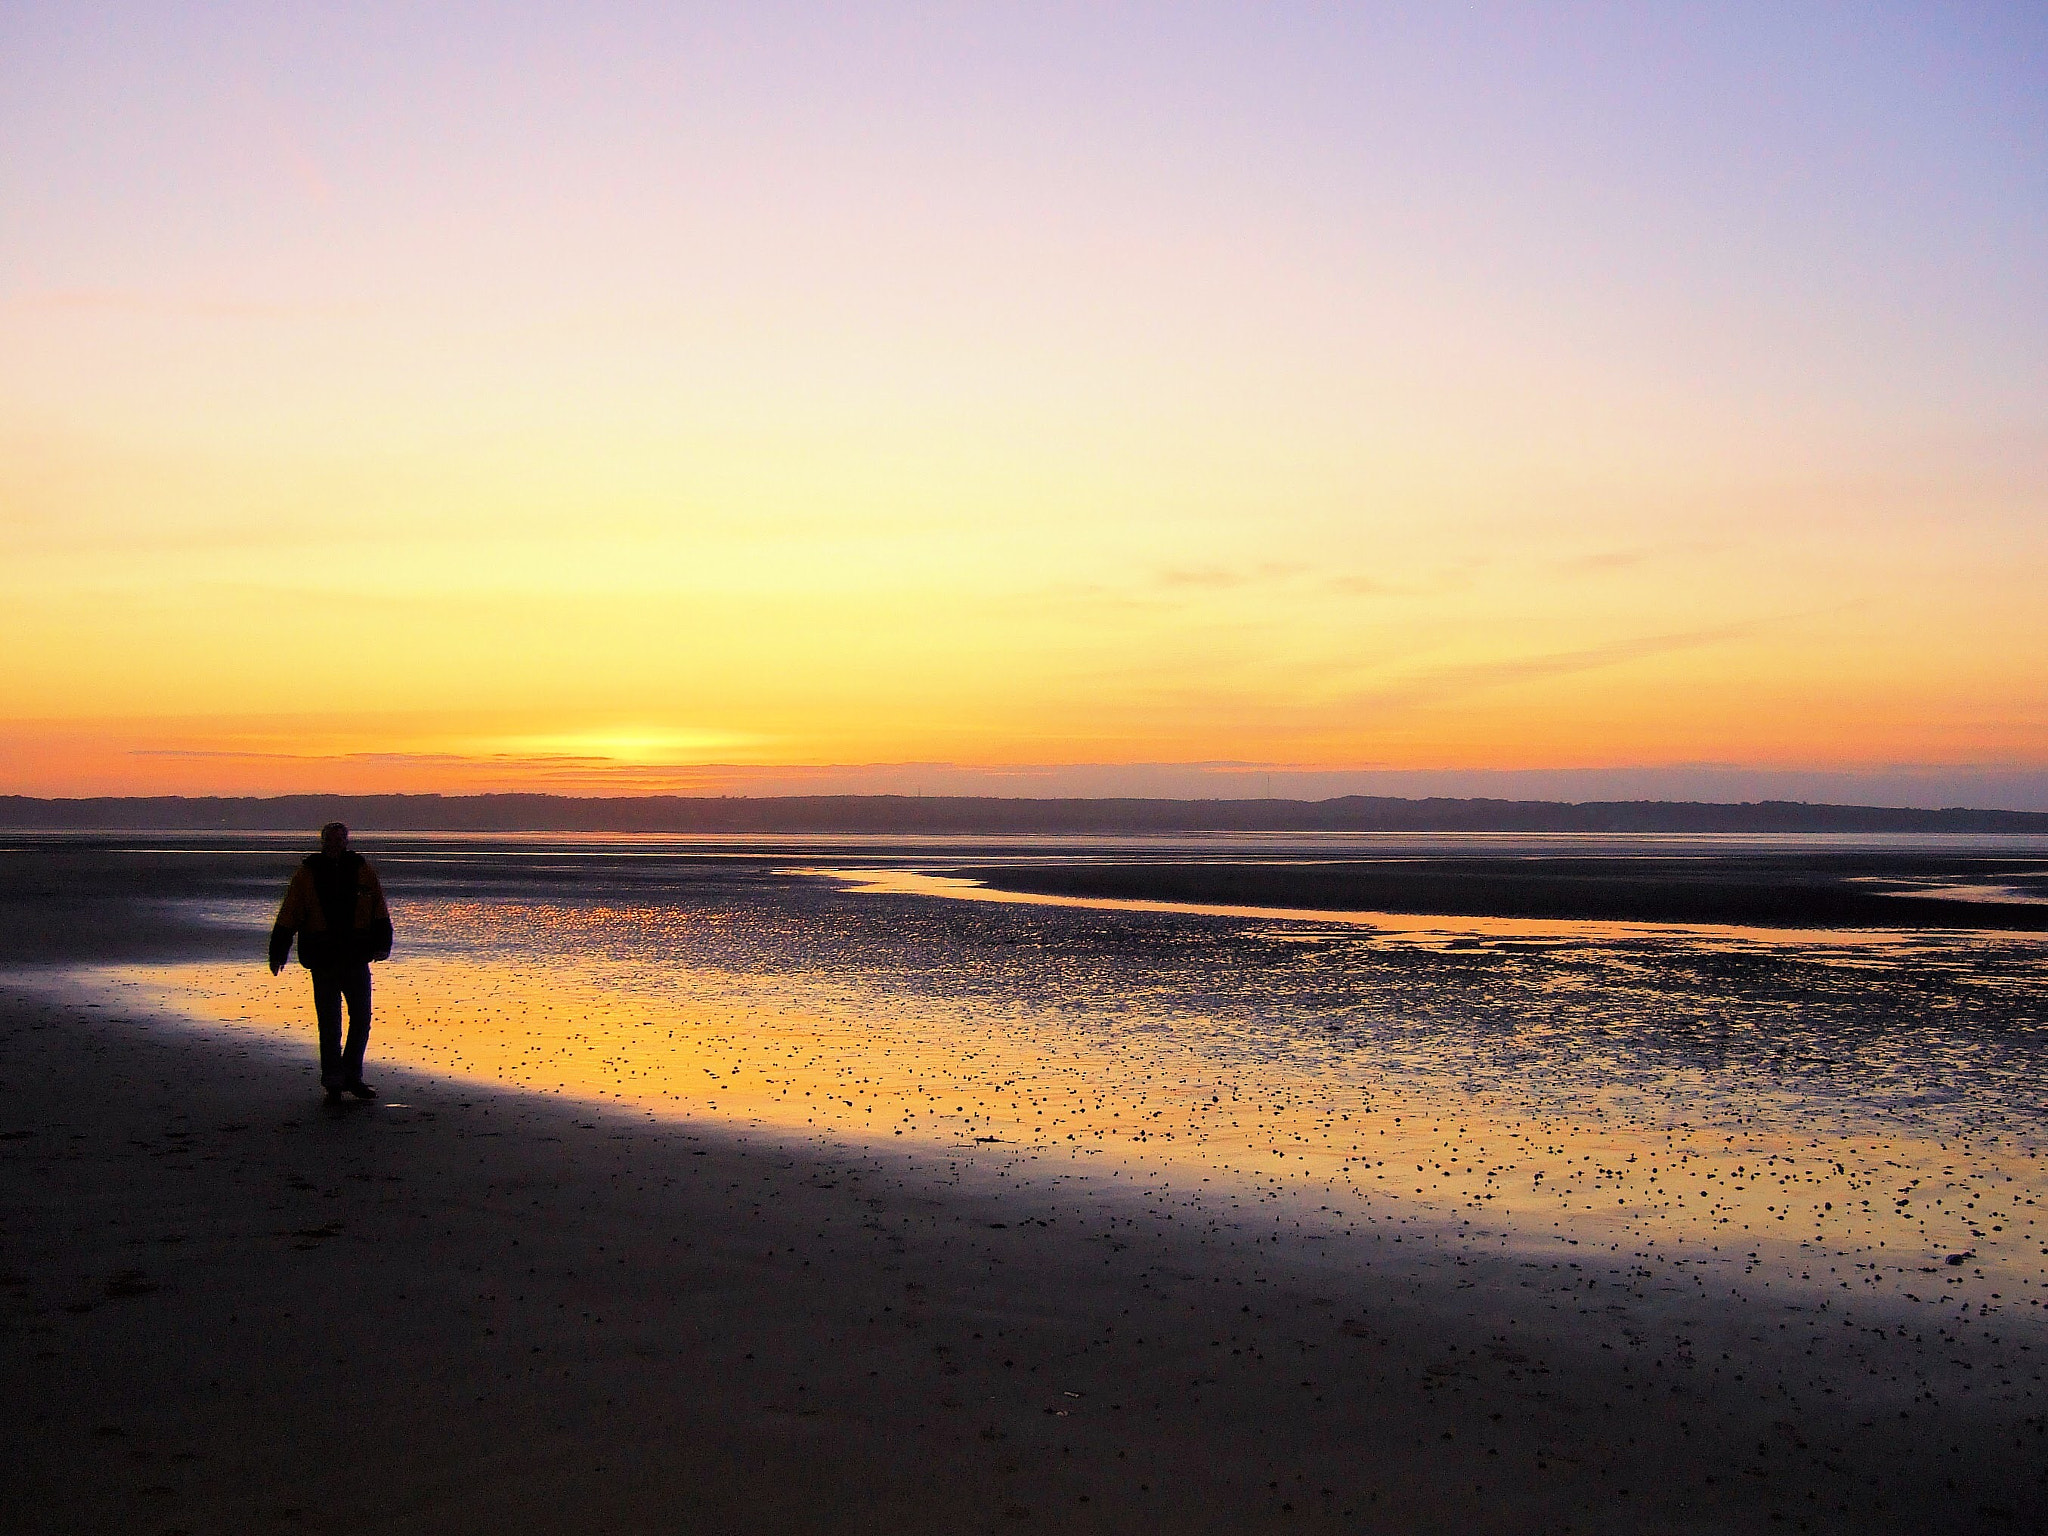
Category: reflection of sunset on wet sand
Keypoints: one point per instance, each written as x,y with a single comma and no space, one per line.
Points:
1684,1164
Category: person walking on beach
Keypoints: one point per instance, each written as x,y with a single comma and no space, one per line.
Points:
336,908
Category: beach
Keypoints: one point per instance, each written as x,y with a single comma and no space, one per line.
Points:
583,1298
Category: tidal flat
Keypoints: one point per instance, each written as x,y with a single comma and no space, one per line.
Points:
1374,1220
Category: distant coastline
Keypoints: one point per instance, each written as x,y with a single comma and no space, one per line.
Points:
906,814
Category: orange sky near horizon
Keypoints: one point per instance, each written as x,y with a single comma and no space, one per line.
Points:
589,403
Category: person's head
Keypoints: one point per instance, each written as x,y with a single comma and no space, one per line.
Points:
334,838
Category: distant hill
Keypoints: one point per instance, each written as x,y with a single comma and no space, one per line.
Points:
974,814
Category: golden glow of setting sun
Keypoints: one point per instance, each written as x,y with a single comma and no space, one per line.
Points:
459,426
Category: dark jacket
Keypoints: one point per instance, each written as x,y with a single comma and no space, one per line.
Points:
336,907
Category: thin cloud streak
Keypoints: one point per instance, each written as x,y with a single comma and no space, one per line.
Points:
127,301
1224,578
1633,557
1442,684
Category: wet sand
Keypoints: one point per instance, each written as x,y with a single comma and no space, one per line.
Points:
1732,1170
495,1297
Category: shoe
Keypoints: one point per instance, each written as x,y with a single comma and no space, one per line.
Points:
334,1095
361,1089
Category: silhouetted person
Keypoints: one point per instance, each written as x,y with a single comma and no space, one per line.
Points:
336,907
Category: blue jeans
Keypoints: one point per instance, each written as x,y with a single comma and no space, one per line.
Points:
341,1065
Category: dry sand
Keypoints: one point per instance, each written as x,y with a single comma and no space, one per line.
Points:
230,1308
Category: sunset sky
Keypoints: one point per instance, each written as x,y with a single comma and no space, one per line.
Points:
1039,398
